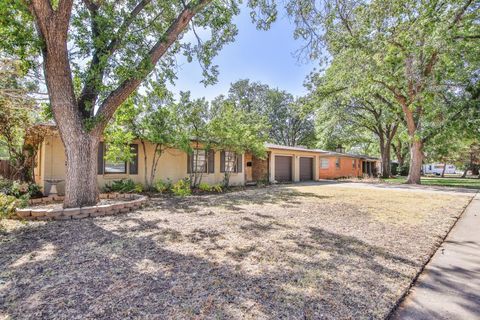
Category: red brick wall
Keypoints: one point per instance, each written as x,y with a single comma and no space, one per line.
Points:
259,169
346,168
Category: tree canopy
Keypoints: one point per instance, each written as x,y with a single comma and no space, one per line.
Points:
417,55
290,121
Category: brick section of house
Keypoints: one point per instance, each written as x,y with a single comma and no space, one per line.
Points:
259,169
346,168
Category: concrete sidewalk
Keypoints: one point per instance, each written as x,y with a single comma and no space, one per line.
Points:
449,287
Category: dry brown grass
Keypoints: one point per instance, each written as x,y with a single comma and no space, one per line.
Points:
312,252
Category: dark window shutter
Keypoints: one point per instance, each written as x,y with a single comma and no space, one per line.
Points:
100,158
238,167
133,166
222,161
211,161
189,163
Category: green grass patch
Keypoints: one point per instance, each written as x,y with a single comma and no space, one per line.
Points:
472,183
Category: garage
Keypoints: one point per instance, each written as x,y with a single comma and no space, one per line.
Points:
306,169
283,168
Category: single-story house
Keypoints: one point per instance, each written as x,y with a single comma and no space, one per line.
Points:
300,164
282,164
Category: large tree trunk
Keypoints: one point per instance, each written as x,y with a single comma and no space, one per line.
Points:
385,155
443,170
416,160
386,168
81,187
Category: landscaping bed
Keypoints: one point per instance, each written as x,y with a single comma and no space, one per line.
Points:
50,208
291,252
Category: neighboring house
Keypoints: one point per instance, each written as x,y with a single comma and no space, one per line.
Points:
282,164
437,168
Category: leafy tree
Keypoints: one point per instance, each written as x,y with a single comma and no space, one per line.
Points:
400,147
250,96
339,99
333,131
472,159
97,53
414,50
291,121
17,116
235,133
150,118
195,118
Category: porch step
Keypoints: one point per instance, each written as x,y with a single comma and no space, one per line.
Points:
251,183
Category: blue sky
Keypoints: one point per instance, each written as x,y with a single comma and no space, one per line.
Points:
265,56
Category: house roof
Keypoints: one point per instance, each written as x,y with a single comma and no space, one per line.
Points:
297,148
324,152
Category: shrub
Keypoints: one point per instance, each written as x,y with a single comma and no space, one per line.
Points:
138,187
34,190
124,185
182,188
7,205
19,189
5,186
403,170
163,186
217,188
203,186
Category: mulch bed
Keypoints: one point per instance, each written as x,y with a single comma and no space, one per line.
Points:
311,252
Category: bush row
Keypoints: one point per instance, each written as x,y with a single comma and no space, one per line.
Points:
182,187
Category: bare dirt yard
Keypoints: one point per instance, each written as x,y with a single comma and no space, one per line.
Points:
319,251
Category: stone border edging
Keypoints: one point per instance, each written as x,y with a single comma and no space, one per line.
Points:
134,202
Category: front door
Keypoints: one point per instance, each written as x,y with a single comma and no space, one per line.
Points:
248,167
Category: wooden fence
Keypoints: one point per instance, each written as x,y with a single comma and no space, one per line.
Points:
5,169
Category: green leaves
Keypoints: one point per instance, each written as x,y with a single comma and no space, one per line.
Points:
234,130
406,51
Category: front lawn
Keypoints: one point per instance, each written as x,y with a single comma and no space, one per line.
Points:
472,183
292,252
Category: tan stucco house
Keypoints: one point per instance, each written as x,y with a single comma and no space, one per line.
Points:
282,164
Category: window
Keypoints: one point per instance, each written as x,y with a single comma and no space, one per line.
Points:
113,165
337,163
353,164
324,163
133,164
199,159
230,158
359,164
231,162
117,166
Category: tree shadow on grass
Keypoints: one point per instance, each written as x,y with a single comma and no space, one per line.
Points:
233,202
84,269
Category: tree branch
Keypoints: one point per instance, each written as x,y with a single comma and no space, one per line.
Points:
96,70
117,96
